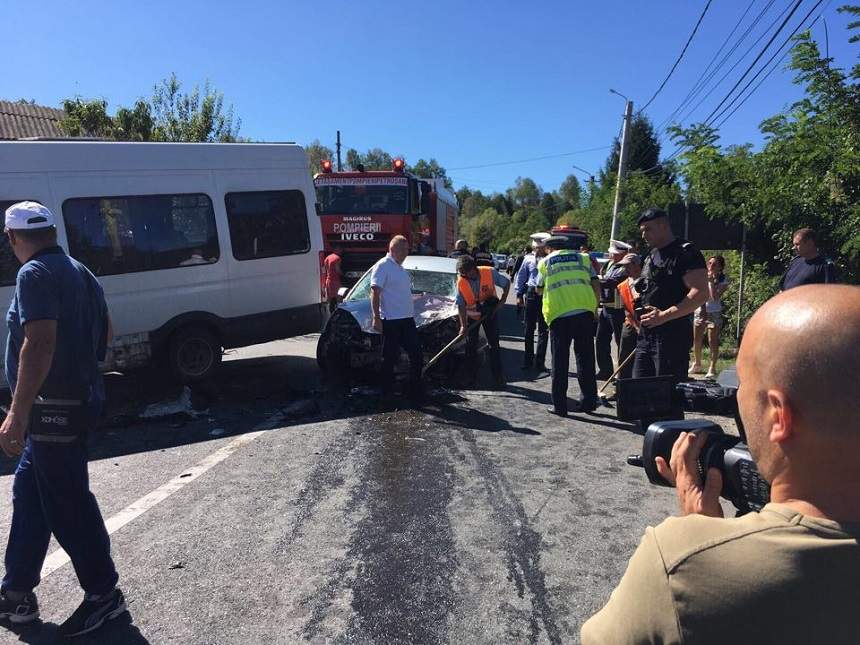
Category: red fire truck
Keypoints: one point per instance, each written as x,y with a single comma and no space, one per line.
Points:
360,211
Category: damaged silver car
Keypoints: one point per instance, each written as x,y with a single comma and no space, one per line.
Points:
350,348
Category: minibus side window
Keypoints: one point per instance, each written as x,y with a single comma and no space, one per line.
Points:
267,224
114,235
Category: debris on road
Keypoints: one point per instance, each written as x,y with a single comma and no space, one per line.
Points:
181,406
301,408
179,564
365,390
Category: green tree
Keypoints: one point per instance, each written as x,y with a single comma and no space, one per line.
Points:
86,118
570,192
192,116
525,193
643,151
317,152
134,124
483,228
432,169
373,159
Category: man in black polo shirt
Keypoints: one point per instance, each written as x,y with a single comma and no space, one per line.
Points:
809,267
674,283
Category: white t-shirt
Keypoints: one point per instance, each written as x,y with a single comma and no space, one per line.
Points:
716,306
395,300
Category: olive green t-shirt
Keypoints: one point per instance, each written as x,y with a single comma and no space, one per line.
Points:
771,577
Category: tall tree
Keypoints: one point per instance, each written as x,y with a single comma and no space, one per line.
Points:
432,169
643,151
87,118
192,116
525,193
373,159
135,124
570,192
317,152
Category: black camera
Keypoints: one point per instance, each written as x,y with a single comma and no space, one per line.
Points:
608,288
743,486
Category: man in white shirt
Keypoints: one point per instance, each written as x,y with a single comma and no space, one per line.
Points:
394,315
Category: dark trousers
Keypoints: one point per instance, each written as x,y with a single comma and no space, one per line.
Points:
491,330
396,334
609,325
51,494
664,351
629,338
579,329
535,320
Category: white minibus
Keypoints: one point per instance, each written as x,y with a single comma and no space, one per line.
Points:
199,247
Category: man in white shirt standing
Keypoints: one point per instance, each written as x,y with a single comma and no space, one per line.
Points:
394,316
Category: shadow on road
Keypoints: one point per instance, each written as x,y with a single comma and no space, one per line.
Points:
120,631
251,393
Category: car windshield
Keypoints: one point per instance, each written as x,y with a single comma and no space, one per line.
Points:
437,283
362,199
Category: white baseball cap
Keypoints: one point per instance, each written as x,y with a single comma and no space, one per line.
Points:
28,216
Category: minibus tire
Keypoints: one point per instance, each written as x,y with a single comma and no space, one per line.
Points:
194,354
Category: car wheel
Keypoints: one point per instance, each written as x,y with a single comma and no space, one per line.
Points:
194,354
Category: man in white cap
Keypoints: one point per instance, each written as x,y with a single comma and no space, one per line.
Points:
610,322
527,295
58,331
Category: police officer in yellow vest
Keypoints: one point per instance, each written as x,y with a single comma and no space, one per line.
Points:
477,298
571,292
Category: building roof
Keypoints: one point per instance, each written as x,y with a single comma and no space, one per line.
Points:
21,120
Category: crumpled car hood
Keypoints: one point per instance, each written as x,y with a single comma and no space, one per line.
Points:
428,309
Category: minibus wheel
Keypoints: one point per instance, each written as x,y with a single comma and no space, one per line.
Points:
194,354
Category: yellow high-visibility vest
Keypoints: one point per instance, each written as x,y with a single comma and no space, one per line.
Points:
566,284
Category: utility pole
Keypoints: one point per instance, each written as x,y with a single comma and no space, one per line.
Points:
339,167
622,164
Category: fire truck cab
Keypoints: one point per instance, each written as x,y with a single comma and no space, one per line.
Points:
360,211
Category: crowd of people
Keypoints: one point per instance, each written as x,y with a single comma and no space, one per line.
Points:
700,578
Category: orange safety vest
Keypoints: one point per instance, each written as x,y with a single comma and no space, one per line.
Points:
627,299
486,291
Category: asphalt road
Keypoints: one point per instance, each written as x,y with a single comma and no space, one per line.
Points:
277,512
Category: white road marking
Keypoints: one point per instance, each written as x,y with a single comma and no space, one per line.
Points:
59,558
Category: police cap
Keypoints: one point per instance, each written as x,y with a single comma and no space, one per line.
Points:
651,214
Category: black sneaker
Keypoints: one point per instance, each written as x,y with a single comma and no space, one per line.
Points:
21,611
92,614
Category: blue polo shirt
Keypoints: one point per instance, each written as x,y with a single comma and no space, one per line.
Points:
53,286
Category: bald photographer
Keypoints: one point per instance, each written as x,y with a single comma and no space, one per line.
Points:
788,573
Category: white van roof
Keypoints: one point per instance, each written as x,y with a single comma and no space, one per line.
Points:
77,156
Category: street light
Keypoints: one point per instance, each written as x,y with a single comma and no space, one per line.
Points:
622,160
590,175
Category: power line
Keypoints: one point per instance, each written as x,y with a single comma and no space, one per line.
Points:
773,68
703,81
518,161
699,85
757,58
683,51
692,111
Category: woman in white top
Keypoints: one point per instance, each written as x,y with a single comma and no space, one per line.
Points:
709,317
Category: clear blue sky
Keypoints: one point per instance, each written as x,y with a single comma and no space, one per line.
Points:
468,83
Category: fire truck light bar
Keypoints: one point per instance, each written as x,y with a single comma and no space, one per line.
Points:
326,165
